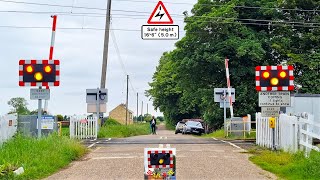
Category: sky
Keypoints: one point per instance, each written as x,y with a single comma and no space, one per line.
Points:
80,50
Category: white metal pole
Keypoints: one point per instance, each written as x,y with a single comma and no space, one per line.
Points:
229,87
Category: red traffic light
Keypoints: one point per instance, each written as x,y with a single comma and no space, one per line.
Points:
47,69
29,69
282,74
274,78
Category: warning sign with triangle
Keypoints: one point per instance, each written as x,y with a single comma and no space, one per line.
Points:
160,15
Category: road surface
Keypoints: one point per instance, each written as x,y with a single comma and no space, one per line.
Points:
197,158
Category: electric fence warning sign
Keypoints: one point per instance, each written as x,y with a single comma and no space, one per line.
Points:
160,25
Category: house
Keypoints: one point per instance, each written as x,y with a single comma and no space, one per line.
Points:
119,114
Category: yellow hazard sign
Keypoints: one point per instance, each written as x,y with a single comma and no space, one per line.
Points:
272,122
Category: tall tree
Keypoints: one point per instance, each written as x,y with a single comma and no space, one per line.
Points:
19,106
250,33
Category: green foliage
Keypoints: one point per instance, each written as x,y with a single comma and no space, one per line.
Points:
39,158
147,117
112,122
60,117
114,129
19,106
289,166
184,81
160,118
217,134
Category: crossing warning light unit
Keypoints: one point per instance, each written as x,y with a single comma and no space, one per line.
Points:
160,163
39,73
274,78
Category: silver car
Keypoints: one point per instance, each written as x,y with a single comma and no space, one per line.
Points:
179,127
193,127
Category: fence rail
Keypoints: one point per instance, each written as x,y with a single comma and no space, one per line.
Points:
83,128
291,132
8,127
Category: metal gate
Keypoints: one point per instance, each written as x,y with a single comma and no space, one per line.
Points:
83,128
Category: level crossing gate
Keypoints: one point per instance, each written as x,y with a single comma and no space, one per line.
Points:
83,127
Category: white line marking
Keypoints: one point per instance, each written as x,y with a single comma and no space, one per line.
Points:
215,139
160,137
117,157
230,143
91,145
109,139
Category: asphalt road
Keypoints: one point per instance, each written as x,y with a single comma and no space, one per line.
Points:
197,158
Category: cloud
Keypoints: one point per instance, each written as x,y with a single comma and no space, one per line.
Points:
80,52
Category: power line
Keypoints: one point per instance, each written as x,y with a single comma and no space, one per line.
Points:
201,4
131,16
136,30
120,57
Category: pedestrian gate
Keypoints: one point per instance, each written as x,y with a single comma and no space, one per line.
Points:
83,128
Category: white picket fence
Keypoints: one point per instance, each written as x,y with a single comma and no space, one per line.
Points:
8,127
291,132
83,127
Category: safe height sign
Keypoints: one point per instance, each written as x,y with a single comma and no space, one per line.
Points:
160,25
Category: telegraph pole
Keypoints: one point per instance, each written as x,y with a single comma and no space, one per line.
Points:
137,107
127,100
106,47
141,110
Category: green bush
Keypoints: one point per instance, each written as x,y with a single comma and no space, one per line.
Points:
110,129
39,157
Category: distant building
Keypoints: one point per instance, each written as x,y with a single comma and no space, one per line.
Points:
119,114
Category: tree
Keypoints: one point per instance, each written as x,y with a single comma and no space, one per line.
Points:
60,117
184,81
19,106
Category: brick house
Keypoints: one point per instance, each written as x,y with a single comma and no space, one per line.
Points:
119,114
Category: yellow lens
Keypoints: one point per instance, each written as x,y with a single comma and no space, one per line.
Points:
283,74
48,69
266,75
29,69
38,76
161,161
274,81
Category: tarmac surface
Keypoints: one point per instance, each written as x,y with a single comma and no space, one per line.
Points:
197,158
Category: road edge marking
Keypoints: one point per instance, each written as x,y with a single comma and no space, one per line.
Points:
231,144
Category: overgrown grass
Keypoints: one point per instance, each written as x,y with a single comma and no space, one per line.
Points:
39,158
220,134
288,166
114,129
170,126
65,131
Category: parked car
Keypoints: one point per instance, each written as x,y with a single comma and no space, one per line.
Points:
179,127
193,127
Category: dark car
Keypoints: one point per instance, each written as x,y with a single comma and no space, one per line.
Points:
193,127
179,127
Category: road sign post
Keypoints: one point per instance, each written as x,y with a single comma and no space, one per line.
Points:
39,116
272,125
98,97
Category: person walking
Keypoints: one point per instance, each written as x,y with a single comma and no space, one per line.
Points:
153,124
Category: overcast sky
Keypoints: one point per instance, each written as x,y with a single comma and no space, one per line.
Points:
80,50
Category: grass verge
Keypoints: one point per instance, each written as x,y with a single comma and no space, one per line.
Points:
286,165
39,158
220,135
114,129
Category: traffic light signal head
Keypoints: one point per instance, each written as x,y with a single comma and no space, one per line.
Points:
39,73
160,159
274,78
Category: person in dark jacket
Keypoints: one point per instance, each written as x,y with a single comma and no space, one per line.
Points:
153,124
